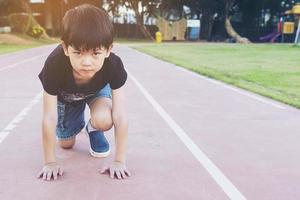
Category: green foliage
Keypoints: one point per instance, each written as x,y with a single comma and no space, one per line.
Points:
9,48
19,22
25,23
35,31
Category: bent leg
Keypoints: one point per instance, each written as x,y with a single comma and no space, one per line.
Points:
70,123
101,113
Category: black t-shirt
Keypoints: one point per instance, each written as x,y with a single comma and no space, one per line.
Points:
57,77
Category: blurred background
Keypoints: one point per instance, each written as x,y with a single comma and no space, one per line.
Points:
208,20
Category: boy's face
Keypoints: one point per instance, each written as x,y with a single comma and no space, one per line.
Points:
86,63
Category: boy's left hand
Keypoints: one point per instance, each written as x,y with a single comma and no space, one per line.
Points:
117,168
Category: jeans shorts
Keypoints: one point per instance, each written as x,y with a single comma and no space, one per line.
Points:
71,118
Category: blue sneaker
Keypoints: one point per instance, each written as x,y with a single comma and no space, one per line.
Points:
99,145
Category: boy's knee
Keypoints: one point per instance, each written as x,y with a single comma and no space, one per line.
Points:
67,144
101,122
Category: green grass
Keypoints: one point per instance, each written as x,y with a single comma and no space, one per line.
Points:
272,70
132,41
9,46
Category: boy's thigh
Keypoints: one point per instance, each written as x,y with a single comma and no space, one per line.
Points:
100,108
104,92
70,120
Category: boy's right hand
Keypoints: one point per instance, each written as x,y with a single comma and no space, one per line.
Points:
50,170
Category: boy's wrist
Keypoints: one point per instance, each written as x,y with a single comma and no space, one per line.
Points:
120,160
51,163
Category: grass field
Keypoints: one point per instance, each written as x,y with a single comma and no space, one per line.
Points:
131,41
8,48
16,42
270,70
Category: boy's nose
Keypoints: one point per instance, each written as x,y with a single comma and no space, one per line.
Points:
86,61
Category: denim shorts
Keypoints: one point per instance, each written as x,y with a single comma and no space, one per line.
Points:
70,119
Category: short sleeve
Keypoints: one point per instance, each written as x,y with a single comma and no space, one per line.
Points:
118,75
49,78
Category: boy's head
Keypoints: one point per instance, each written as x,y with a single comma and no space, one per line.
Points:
87,27
87,35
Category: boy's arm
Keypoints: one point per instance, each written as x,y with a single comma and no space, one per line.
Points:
120,121
49,126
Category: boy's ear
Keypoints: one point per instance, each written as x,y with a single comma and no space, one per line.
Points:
108,51
65,48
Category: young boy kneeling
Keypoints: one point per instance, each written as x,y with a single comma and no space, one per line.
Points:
82,70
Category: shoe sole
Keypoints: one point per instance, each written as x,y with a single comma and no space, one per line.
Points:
99,155
96,154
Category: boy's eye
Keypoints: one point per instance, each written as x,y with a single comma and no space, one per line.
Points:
76,52
97,53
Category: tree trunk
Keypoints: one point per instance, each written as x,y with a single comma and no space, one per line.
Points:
228,26
140,20
48,16
31,20
232,33
210,26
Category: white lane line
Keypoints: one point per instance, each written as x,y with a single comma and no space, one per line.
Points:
21,62
235,89
7,130
258,98
225,184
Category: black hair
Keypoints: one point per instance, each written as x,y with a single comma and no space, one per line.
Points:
87,27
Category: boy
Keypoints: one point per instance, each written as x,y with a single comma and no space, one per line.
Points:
82,70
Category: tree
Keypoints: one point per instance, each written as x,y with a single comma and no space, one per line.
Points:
140,8
208,10
229,8
73,3
54,11
31,20
140,16
26,19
